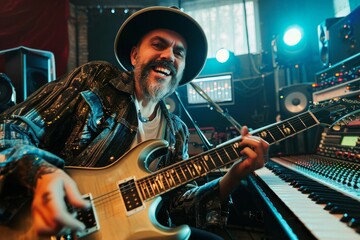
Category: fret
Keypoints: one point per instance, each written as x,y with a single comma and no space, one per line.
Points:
209,162
299,123
267,136
280,130
292,127
182,174
170,178
310,120
167,180
186,172
152,183
287,129
219,161
276,133
190,168
178,182
161,181
216,159
203,164
144,189
197,168
224,156
302,121
232,153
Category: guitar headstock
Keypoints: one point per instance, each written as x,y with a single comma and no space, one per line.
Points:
337,109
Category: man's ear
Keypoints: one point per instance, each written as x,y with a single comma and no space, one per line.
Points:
133,55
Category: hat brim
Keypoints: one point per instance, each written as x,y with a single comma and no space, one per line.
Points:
147,19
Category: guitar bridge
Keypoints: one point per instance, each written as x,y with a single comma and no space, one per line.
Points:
87,216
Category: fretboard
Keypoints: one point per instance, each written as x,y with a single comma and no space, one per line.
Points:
185,171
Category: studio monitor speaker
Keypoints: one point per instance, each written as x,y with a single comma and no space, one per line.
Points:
344,37
294,99
28,69
323,37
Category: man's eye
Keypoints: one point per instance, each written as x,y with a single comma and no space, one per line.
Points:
157,45
180,53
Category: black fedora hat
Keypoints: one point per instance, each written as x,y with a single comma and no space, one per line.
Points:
147,19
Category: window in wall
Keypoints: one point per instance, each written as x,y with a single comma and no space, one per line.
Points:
227,24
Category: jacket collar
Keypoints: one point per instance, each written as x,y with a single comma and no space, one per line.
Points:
124,82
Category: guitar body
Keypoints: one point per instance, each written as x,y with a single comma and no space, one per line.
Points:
102,184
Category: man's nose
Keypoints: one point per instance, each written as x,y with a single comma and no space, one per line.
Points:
168,54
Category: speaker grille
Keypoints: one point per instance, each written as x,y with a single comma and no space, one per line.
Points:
295,99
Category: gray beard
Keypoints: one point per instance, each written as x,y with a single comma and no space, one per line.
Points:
155,93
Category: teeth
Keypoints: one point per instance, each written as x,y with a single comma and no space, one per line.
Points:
163,70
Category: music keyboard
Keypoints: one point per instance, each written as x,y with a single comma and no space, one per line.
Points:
319,222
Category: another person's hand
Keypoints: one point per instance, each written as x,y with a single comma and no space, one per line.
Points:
49,210
256,153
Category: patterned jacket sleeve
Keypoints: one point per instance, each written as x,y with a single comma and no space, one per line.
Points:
25,130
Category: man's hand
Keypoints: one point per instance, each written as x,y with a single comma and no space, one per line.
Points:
256,152
50,214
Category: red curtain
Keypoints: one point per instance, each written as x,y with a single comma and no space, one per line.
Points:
39,24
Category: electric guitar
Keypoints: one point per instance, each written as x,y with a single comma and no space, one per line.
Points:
125,196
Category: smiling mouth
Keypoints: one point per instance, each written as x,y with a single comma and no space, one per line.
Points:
162,70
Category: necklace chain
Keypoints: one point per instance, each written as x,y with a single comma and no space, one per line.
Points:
141,118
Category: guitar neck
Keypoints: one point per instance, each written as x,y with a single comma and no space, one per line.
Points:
185,171
279,131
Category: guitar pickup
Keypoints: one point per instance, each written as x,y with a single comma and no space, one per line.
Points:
130,195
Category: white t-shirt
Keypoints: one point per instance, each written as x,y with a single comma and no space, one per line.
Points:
153,129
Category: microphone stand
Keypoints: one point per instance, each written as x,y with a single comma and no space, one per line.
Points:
225,114
205,141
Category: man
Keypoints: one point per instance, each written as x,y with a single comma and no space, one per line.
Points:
96,113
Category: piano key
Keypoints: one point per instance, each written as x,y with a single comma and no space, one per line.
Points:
331,205
321,223
348,216
354,222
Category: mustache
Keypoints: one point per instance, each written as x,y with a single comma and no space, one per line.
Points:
162,63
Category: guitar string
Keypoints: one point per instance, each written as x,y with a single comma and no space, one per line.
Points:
148,180
292,122
148,183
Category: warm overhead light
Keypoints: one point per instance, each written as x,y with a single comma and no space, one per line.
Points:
222,55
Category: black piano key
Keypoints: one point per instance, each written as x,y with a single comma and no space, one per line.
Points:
317,193
332,204
354,223
327,198
314,193
344,209
307,189
347,216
